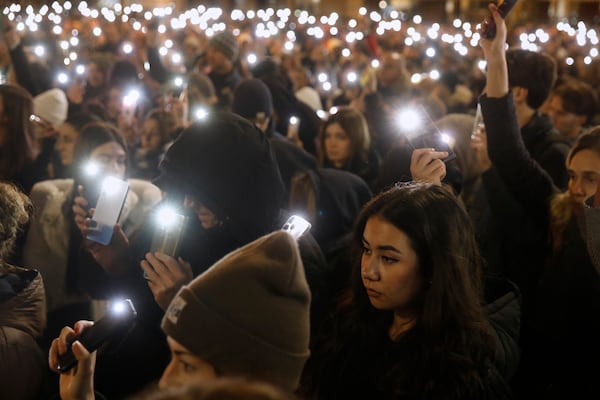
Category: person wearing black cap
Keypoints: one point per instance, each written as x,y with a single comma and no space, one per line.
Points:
222,54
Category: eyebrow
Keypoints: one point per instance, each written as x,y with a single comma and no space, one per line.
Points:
182,353
386,247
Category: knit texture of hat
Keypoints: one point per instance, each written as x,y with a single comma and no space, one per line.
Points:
225,43
252,99
51,105
226,163
248,315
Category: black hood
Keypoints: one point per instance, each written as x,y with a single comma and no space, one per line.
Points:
226,163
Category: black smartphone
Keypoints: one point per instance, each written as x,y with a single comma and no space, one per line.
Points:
488,27
117,322
434,140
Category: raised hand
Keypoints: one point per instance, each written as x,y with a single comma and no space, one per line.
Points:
426,165
165,276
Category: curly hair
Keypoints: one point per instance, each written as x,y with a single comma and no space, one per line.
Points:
15,209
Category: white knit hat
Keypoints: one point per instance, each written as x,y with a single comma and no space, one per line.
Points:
51,105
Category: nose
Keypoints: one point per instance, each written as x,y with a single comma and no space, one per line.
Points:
576,187
165,378
370,269
189,203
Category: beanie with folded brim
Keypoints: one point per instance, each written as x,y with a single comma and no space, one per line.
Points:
248,315
225,43
51,105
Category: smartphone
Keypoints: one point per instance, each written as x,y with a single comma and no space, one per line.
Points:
488,27
434,140
292,132
296,226
108,209
117,322
168,233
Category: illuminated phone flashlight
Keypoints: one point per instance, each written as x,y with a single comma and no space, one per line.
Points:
178,81
118,307
352,77
127,48
200,113
447,139
375,63
409,120
294,121
91,168
131,98
62,78
39,51
296,226
80,69
166,216
252,58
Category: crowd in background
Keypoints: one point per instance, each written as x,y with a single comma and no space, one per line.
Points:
480,164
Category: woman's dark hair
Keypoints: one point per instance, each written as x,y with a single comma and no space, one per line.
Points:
80,119
20,147
451,334
355,126
95,134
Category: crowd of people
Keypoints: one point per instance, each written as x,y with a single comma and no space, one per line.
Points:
453,193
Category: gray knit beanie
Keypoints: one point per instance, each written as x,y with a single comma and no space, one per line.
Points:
225,43
248,315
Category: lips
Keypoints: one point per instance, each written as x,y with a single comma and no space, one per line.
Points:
372,293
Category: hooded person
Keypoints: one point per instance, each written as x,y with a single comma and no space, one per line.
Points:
253,101
222,171
261,333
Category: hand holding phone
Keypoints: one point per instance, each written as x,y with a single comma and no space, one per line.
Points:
488,26
426,165
168,231
119,319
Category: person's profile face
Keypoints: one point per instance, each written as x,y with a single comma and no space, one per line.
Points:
390,267
185,367
206,217
65,143
584,175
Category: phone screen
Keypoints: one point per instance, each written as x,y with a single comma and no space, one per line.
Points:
108,209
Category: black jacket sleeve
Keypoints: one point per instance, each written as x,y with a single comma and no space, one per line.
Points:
524,178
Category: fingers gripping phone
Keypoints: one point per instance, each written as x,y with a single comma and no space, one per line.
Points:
296,226
117,322
434,140
108,209
488,27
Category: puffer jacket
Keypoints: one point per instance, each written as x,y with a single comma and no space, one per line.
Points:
22,321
